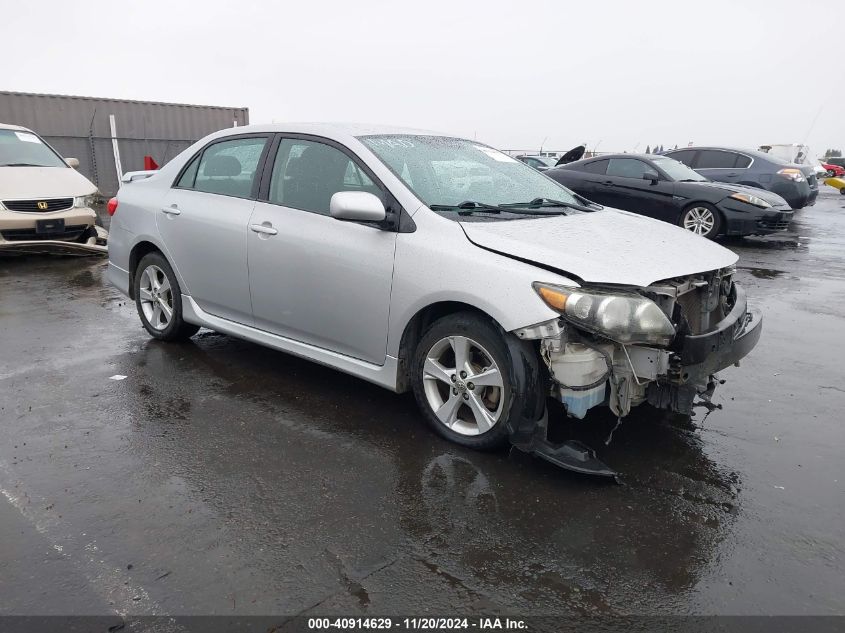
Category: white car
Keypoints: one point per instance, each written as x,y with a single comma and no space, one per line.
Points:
45,204
370,250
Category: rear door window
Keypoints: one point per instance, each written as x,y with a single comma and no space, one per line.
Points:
716,159
685,156
229,167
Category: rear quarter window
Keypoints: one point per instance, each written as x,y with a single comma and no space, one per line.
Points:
595,167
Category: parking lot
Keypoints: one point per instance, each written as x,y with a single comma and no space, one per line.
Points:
220,477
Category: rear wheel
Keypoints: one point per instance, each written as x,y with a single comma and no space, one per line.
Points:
702,219
159,300
462,381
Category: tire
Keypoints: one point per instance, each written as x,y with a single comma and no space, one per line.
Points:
157,292
439,385
702,219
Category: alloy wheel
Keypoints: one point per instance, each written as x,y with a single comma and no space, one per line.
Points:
463,385
156,297
699,220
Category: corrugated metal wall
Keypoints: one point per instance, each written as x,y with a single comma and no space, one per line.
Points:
79,127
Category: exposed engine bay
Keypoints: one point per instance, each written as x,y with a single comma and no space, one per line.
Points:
712,330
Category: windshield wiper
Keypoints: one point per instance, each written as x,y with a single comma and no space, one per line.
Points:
21,165
466,207
538,203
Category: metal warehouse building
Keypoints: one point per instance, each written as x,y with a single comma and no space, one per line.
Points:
108,135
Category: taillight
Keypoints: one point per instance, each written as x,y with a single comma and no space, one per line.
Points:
792,174
111,207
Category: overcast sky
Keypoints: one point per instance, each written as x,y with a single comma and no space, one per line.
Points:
617,74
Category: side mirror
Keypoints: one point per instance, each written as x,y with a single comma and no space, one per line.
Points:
357,205
72,162
653,176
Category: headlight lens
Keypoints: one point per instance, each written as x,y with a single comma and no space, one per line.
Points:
792,174
82,202
757,202
624,318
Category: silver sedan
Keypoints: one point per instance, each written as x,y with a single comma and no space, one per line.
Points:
429,263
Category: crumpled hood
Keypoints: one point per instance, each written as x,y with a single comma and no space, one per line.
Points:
610,246
27,183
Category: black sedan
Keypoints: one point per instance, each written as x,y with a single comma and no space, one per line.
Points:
663,188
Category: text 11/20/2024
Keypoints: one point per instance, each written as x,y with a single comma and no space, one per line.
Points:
418,624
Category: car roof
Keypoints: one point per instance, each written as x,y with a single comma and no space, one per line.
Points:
345,133
623,155
740,150
350,129
9,126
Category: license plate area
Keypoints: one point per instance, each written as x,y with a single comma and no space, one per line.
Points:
50,227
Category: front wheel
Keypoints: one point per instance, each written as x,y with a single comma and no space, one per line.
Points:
159,300
702,219
462,380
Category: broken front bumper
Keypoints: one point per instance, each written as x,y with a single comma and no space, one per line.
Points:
95,245
701,355
732,338
52,247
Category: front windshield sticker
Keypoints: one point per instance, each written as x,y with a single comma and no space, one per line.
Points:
390,142
495,154
28,137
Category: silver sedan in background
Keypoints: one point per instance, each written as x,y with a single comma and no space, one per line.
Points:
433,264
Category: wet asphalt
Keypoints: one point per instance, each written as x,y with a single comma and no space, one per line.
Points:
221,477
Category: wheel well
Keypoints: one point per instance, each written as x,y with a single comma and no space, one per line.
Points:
415,328
138,251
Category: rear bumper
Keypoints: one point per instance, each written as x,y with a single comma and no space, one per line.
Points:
796,194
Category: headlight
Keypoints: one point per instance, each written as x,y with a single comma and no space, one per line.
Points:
624,318
757,202
82,202
792,174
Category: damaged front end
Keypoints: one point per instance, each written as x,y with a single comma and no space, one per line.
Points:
82,240
620,347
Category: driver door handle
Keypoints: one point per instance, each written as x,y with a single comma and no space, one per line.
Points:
173,210
265,229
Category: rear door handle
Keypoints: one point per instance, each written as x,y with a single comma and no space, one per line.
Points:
174,210
608,183
265,229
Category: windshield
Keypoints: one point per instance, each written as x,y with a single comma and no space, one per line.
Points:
677,170
448,171
19,148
